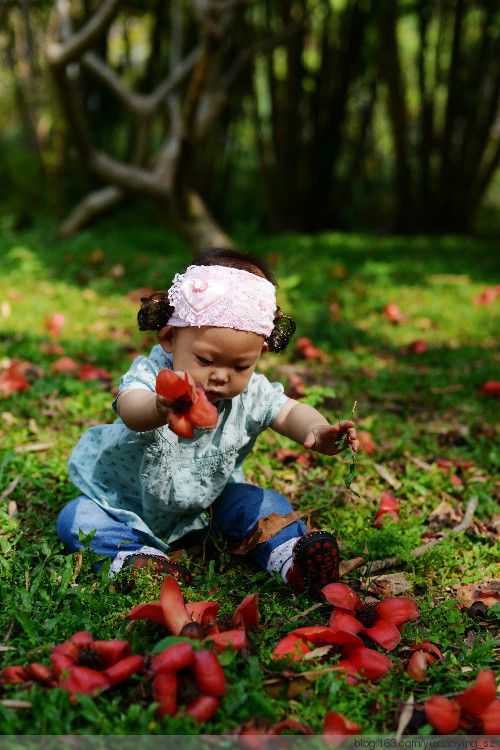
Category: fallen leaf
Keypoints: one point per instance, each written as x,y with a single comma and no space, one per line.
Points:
392,584
487,592
33,447
405,716
12,508
347,565
268,527
395,483
9,489
15,703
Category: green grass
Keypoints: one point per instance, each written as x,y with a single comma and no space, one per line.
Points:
416,407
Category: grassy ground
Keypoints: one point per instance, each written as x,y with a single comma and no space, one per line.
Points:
417,408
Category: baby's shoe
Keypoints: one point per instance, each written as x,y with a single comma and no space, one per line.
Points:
157,565
315,563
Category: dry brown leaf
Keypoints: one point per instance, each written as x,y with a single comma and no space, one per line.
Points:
405,716
392,584
12,508
445,514
33,447
306,612
268,527
9,489
387,476
347,565
296,685
15,703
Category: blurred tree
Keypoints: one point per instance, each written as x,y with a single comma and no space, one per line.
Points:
136,122
443,100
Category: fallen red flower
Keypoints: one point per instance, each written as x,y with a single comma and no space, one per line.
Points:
356,660
83,665
366,442
388,509
191,408
66,365
89,372
307,350
189,677
54,322
13,381
487,296
425,655
379,621
476,710
336,726
491,388
179,617
393,313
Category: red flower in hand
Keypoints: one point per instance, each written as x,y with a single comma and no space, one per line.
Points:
190,406
379,621
476,710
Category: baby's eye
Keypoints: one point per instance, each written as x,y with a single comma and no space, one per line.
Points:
203,360
241,368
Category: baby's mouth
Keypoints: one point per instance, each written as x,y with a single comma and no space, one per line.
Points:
213,395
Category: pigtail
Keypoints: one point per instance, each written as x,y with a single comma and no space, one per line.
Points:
155,312
284,328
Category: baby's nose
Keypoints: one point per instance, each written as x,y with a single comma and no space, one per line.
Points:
220,375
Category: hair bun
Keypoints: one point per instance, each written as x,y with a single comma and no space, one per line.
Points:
155,312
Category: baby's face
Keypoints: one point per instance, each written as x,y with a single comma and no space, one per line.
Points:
222,360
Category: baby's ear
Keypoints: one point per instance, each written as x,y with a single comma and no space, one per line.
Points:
165,337
265,348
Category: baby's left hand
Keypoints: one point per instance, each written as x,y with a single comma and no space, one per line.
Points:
328,439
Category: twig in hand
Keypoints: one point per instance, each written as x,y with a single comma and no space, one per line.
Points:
353,457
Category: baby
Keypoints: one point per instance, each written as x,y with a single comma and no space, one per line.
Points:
146,490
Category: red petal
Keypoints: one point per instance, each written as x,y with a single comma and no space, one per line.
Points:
288,724
349,670
12,382
397,609
174,658
14,674
246,614
235,638
338,726
482,693
165,694
370,664
89,372
151,611
208,673
203,612
341,595
384,633
388,502
172,386
203,413
172,603
66,365
417,666
39,672
491,718
342,620
82,639
62,663
123,669
442,714
319,635
202,708
383,516
181,425
112,651
432,653
85,680
291,647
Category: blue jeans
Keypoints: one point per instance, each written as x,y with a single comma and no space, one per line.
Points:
234,513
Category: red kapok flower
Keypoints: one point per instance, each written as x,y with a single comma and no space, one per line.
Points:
189,677
13,381
179,617
425,653
388,509
89,372
491,388
83,665
336,727
357,661
379,621
476,710
191,408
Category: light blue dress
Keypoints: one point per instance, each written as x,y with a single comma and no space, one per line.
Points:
159,483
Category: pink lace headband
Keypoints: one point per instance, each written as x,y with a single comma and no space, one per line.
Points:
222,297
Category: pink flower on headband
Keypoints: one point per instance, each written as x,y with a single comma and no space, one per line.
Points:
223,297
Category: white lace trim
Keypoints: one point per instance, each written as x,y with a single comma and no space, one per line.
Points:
223,297
281,558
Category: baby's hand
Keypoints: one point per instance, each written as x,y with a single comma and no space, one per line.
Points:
330,439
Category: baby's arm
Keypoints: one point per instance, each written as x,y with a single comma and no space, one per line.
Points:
307,426
142,410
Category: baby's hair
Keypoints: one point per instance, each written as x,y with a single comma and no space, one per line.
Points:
156,310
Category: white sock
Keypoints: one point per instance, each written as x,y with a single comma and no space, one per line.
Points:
281,558
117,562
